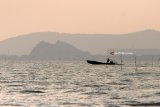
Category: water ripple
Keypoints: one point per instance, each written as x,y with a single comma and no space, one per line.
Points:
77,84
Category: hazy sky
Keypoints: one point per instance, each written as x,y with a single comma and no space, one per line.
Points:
77,16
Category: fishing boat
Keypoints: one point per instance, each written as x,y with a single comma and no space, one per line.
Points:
109,62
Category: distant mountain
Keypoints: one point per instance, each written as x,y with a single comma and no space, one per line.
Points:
94,43
60,50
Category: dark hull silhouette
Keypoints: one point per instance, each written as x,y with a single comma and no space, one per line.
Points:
102,63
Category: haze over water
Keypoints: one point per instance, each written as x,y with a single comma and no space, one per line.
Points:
77,84
109,24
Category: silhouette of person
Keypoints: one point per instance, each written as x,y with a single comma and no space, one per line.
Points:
108,60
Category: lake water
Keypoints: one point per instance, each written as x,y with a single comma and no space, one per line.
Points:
77,84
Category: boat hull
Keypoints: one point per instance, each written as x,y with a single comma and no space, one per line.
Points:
100,63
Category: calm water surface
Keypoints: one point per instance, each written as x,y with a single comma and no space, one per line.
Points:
77,84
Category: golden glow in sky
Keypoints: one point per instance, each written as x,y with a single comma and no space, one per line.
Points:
78,16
